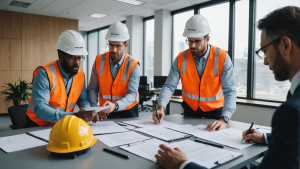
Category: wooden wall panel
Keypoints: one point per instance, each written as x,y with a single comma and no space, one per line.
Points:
7,77
66,24
10,52
27,75
10,24
39,36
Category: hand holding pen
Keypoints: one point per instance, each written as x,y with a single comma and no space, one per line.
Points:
159,114
249,129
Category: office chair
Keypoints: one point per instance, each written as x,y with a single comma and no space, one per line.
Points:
145,95
18,116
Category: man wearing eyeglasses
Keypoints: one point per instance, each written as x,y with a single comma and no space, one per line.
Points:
115,77
59,85
206,73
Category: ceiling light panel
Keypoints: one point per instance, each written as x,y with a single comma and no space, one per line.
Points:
132,2
97,15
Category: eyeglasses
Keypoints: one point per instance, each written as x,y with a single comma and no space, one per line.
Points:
73,58
260,53
117,46
190,42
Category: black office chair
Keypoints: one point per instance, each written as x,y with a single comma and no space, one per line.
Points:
145,95
18,116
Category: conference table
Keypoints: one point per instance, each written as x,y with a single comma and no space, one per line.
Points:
40,158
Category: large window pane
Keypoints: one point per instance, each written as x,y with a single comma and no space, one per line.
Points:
93,51
149,50
102,42
265,86
218,18
241,46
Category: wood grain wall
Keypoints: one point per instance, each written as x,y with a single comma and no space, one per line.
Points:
26,42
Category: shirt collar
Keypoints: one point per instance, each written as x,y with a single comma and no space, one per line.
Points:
120,62
206,53
295,82
62,72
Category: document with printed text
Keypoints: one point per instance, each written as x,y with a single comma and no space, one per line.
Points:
104,127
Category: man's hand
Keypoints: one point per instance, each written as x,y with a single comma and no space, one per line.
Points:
104,113
170,158
254,136
216,125
86,115
161,112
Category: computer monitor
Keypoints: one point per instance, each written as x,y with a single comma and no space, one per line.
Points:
143,80
159,81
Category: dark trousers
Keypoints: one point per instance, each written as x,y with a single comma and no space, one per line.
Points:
133,112
30,123
188,111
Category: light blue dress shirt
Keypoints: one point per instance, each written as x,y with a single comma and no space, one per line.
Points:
227,80
41,96
132,86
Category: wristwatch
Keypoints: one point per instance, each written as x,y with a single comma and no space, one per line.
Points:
226,119
117,106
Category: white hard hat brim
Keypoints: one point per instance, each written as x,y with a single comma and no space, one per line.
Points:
194,35
75,53
116,39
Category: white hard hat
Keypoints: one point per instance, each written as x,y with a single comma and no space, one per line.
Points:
197,26
117,32
72,43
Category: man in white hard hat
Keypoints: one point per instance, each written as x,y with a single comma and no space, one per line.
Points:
115,77
206,73
59,85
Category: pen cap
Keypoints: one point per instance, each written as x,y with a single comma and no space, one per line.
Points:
70,134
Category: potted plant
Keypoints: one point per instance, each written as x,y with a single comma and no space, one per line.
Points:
17,92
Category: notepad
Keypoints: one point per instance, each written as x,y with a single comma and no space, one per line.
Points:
41,134
105,127
117,139
201,154
149,123
163,133
19,142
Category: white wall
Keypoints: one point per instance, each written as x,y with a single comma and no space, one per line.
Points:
84,63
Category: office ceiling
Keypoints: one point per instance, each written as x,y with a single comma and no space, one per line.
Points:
80,9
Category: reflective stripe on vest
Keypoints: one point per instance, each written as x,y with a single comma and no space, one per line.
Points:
52,69
110,97
126,69
216,63
196,97
71,105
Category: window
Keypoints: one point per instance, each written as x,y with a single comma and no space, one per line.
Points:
218,18
241,46
265,86
92,50
149,50
102,42
179,21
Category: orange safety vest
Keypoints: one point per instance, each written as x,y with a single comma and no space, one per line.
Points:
114,90
206,93
58,95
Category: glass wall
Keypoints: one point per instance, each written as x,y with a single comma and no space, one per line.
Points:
265,86
92,50
241,46
102,42
149,51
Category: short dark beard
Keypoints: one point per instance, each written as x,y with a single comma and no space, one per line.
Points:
68,69
280,68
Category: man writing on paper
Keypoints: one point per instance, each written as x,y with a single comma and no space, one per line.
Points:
206,73
280,48
115,76
59,85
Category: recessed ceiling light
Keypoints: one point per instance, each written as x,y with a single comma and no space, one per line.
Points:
97,15
132,2
19,4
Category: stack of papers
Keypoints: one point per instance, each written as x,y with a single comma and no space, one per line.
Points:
41,134
149,123
105,127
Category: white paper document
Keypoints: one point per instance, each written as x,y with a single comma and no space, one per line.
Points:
19,142
162,133
117,139
149,123
201,154
229,137
104,127
185,128
97,109
42,134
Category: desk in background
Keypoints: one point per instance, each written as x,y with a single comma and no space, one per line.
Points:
39,157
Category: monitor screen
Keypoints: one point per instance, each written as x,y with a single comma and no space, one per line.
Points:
143,79
159,81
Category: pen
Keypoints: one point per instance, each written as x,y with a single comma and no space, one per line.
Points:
223,160
157,111
249,129
37,137
116,153
137,142
211,144
185,136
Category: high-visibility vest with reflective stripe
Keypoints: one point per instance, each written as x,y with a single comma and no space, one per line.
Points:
206,93
114,90
58,95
